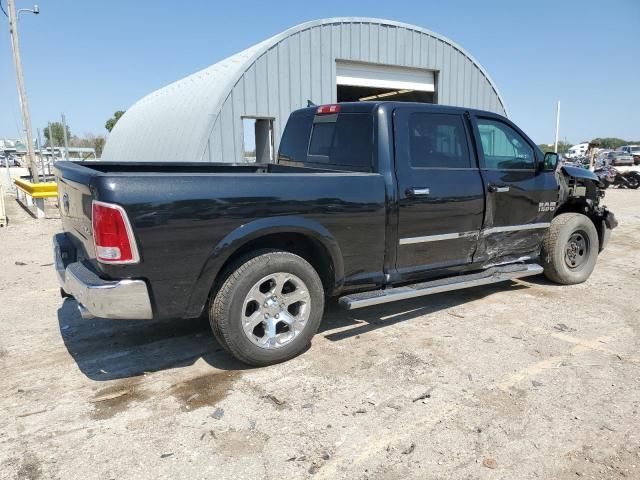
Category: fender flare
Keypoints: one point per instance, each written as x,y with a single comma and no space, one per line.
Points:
254,230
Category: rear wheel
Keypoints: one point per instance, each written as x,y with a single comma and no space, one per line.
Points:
633,180
268,308
570,249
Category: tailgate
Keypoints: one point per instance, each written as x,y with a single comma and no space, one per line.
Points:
75,205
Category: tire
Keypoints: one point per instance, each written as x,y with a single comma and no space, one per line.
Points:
634,181
572,238
259,289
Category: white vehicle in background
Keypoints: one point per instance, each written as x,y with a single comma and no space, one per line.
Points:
578,150
633,150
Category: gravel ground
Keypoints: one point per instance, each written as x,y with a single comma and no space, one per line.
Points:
514,381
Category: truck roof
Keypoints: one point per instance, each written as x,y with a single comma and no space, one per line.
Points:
368,107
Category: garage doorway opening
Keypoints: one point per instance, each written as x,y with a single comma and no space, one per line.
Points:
258,145
350,93
359,82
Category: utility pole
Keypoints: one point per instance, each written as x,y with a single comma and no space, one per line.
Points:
555,147
64,135
53,156
22,93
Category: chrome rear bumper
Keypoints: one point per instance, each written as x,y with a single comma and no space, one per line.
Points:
119,299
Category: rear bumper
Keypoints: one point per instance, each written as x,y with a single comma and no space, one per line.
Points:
96,297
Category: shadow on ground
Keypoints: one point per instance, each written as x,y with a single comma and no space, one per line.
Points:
372,318
114,349
111,349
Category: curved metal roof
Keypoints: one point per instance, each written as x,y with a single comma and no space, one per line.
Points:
174,122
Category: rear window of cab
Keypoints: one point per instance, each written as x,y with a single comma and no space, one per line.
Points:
338,141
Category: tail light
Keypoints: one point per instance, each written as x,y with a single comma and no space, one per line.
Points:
112,234
328,109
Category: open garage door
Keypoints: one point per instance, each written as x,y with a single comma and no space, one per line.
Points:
365,81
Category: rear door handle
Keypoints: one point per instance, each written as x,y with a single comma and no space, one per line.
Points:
416,192
498,188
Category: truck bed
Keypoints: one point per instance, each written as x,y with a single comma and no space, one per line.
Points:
181,213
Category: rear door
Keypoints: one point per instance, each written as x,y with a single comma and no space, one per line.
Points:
521,199
440,190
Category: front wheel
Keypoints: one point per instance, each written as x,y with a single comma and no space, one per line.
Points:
570,249
268,308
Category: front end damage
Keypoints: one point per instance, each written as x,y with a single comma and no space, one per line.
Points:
580,191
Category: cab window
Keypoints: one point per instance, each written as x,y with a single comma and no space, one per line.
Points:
503,147
437,141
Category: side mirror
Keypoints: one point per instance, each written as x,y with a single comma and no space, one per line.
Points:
550,162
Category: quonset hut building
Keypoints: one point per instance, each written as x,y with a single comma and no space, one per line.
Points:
236,109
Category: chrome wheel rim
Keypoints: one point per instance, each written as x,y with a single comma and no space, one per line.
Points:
577,250
276,310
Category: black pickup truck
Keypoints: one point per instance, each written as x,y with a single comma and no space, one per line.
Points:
371,202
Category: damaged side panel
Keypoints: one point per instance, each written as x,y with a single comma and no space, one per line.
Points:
516,216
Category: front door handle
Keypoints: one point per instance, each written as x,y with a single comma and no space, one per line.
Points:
417,192
498,188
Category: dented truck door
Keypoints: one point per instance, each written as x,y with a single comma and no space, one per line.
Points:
520,197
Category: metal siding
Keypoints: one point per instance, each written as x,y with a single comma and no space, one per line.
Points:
315,70
294,72
237,96
262,95
226,123
354,41
419,52
327,62
199,117
249,87
305,65
459,76
215,143
272,83
336,43
345,32
433,43
284,91
383,43
401,47
393,42
374,44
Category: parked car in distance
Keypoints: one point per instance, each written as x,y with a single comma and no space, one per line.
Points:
619,159
633,150
371,202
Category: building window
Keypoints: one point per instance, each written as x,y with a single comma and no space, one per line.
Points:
258,145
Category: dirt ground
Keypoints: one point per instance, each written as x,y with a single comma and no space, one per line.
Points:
513,381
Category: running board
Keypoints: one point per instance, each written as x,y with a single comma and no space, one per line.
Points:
490,275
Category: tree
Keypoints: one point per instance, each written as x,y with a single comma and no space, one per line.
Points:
90,141
113,120
57,131
563,147
610,143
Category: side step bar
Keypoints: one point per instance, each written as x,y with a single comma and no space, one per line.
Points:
490,275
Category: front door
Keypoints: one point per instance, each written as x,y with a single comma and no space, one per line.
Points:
521,199
440,190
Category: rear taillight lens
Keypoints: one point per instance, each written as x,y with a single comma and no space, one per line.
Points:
112,234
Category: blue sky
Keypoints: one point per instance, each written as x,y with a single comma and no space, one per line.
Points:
90,58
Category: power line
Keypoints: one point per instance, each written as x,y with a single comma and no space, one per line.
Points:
3,10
